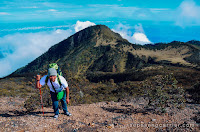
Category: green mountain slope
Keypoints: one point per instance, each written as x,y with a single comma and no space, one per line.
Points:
98,49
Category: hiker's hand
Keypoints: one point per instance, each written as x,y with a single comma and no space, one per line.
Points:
38,77
38,81
67,100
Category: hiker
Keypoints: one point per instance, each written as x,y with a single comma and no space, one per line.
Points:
53,83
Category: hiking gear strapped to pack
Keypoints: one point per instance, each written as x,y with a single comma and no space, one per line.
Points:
55,66
51,71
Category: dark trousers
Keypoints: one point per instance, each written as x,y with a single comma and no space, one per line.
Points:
55,102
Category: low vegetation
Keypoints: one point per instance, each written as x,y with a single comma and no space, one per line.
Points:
164,92
164,87
16,87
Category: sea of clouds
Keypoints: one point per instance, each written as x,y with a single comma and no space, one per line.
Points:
19,49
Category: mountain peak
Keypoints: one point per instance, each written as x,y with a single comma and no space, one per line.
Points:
90,37
96,35
100,31
98,48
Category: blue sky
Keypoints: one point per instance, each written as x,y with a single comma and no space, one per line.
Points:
29,27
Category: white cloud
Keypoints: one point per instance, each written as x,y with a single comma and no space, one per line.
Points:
4,13
26,47
52,10
29,7
81,25
139,28
158,9
188,14
35,28
138,36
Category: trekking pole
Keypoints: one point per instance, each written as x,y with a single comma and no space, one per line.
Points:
41,99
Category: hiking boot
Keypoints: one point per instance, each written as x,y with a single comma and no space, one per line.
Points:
55,116
67,113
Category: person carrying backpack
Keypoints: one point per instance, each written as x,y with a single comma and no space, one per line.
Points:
57,84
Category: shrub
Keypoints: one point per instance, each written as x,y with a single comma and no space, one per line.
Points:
195,92
163,92
34,101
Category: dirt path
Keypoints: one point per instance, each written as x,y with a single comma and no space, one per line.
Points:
103,116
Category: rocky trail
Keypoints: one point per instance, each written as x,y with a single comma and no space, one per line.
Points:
103,116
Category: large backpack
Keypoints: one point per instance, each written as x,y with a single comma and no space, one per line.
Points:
60,94
59,72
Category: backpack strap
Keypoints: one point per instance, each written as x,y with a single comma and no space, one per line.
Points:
59,81
53,87
46,80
